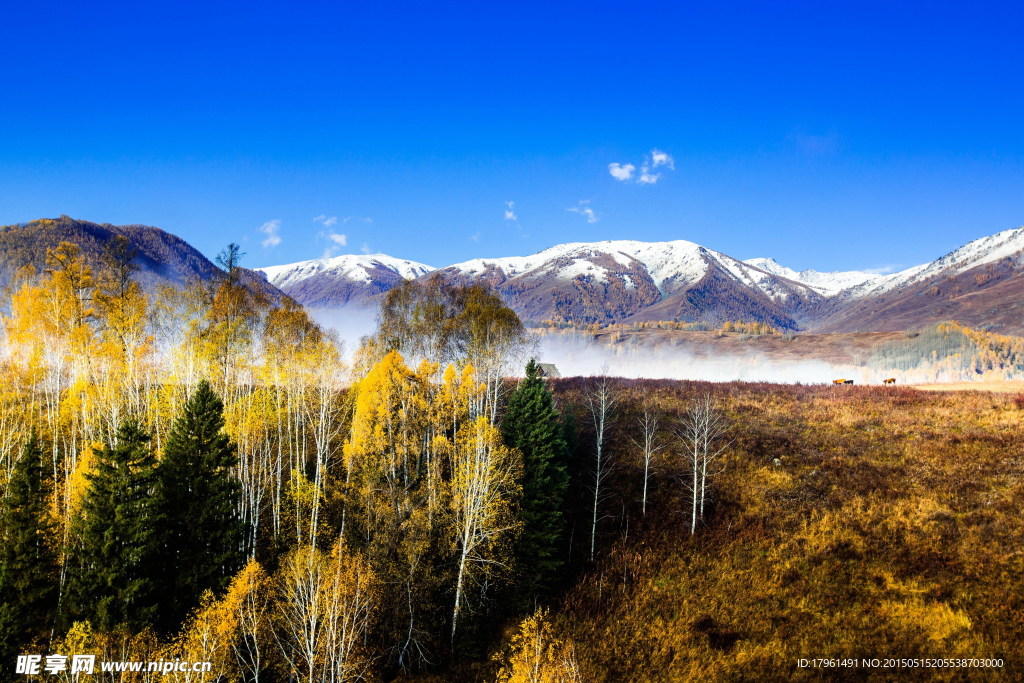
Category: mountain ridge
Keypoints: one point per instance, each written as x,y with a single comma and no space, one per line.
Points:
162,257
633,281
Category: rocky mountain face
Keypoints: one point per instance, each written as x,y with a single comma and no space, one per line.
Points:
979,284
162,258
342,280
631,281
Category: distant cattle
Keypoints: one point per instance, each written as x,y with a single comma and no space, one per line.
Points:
891,380
842,381
849,381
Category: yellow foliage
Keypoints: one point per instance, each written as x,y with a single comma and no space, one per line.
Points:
938,621
537,655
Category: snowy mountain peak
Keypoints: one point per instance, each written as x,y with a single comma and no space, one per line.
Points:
973,254
826,284
354,267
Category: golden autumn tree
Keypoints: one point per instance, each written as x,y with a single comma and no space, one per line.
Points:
536,655
484,497
122,310
225,334
252,593
389,494
325,604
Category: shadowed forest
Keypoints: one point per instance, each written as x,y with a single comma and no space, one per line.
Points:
196,474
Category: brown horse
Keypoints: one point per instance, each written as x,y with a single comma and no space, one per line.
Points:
891,380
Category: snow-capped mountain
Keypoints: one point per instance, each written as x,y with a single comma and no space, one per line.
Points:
669,265
980,252
628,280
981,284
826,284
341,280
631,280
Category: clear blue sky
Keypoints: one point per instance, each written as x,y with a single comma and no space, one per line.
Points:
827,135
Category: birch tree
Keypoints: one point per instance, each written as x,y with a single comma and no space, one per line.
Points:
701,430
649,445
325,604
601,401
485,489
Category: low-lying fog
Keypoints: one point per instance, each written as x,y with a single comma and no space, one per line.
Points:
578,354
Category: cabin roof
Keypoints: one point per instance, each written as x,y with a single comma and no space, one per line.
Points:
548,370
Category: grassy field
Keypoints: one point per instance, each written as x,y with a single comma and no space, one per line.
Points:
854,522
999,387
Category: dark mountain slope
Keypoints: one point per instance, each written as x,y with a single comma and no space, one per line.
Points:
162,258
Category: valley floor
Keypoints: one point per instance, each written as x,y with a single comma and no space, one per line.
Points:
867,522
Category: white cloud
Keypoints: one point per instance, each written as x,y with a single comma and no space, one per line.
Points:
325,220
366,248
583,208
337,239
646,177
475,237
621,172
270,229
627,173
659,158
510,212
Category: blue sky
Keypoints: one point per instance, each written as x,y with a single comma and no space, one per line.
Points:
852,135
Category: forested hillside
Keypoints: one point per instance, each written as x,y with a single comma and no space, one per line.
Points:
160,257
195,474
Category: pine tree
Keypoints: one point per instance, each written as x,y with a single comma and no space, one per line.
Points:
114,564
198,498
533,425
28,562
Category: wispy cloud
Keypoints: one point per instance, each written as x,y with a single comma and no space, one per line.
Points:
648,178
659,158
366,248
621,172
583,208
475,237
325,220
337,241
884,269
510,212
627,173
270,229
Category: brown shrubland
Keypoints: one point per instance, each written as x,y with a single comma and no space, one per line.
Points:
866,522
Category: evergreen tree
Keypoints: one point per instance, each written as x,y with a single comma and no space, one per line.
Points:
114,563
198,498
533,425
28,562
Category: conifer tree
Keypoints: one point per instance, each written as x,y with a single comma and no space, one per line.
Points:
28,562
198,498
533,425
114,568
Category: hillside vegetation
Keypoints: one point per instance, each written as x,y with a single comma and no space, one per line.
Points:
161,258
848,522
197,475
